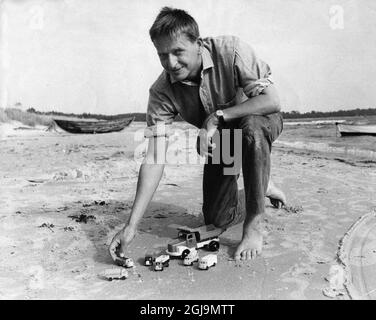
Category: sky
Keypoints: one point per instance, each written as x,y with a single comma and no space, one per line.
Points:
95,56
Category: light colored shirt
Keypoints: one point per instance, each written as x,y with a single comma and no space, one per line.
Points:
230,73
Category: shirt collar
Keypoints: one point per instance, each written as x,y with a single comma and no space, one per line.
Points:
207,62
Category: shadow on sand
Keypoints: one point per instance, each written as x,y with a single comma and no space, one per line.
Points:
110,216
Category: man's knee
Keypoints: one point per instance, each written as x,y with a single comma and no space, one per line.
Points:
225,218
252,130
257,130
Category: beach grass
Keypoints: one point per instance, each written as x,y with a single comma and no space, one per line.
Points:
26,118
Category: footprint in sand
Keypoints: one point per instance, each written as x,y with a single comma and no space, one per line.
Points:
297,275
302,285
36,276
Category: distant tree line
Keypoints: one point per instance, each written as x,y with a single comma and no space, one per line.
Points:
339,113
139,116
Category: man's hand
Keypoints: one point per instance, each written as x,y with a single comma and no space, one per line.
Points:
121,241
205,144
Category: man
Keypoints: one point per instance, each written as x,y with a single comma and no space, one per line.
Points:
214,84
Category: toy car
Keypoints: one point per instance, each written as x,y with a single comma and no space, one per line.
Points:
125,262
194,238
191,257
149,259
161,262
208,261
115,273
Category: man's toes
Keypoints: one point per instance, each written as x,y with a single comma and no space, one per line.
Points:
276,203
237,254
254,253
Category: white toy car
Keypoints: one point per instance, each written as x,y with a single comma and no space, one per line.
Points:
161,262
194,238
208,261
191,257
115,273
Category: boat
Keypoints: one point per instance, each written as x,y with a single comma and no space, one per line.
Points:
99,126
356,129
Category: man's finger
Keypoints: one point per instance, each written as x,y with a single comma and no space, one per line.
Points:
203,149
212,130
211,145
113,246
122,252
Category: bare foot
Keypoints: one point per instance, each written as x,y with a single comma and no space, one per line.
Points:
250,246
276,196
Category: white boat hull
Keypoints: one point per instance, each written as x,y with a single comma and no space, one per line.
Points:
351,129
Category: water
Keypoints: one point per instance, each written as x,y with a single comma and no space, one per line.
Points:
325,138
310,134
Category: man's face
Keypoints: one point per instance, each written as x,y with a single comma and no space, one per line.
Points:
179,56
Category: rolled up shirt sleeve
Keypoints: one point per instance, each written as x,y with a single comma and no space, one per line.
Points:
251,73
160,115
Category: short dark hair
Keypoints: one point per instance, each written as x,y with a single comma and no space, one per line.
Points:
172,22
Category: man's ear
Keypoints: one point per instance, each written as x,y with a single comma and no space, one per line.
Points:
200,45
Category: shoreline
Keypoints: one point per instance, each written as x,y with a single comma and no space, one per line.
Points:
15,129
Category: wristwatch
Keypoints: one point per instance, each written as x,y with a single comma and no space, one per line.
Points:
219,114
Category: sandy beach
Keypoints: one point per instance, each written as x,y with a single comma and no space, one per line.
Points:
49,179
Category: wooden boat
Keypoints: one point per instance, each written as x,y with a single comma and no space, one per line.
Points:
100,126
356,129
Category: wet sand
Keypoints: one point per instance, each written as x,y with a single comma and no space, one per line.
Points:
47,177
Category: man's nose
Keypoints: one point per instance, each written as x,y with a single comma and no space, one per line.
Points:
172,61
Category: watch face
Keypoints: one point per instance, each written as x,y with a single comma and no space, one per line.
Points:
219,113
